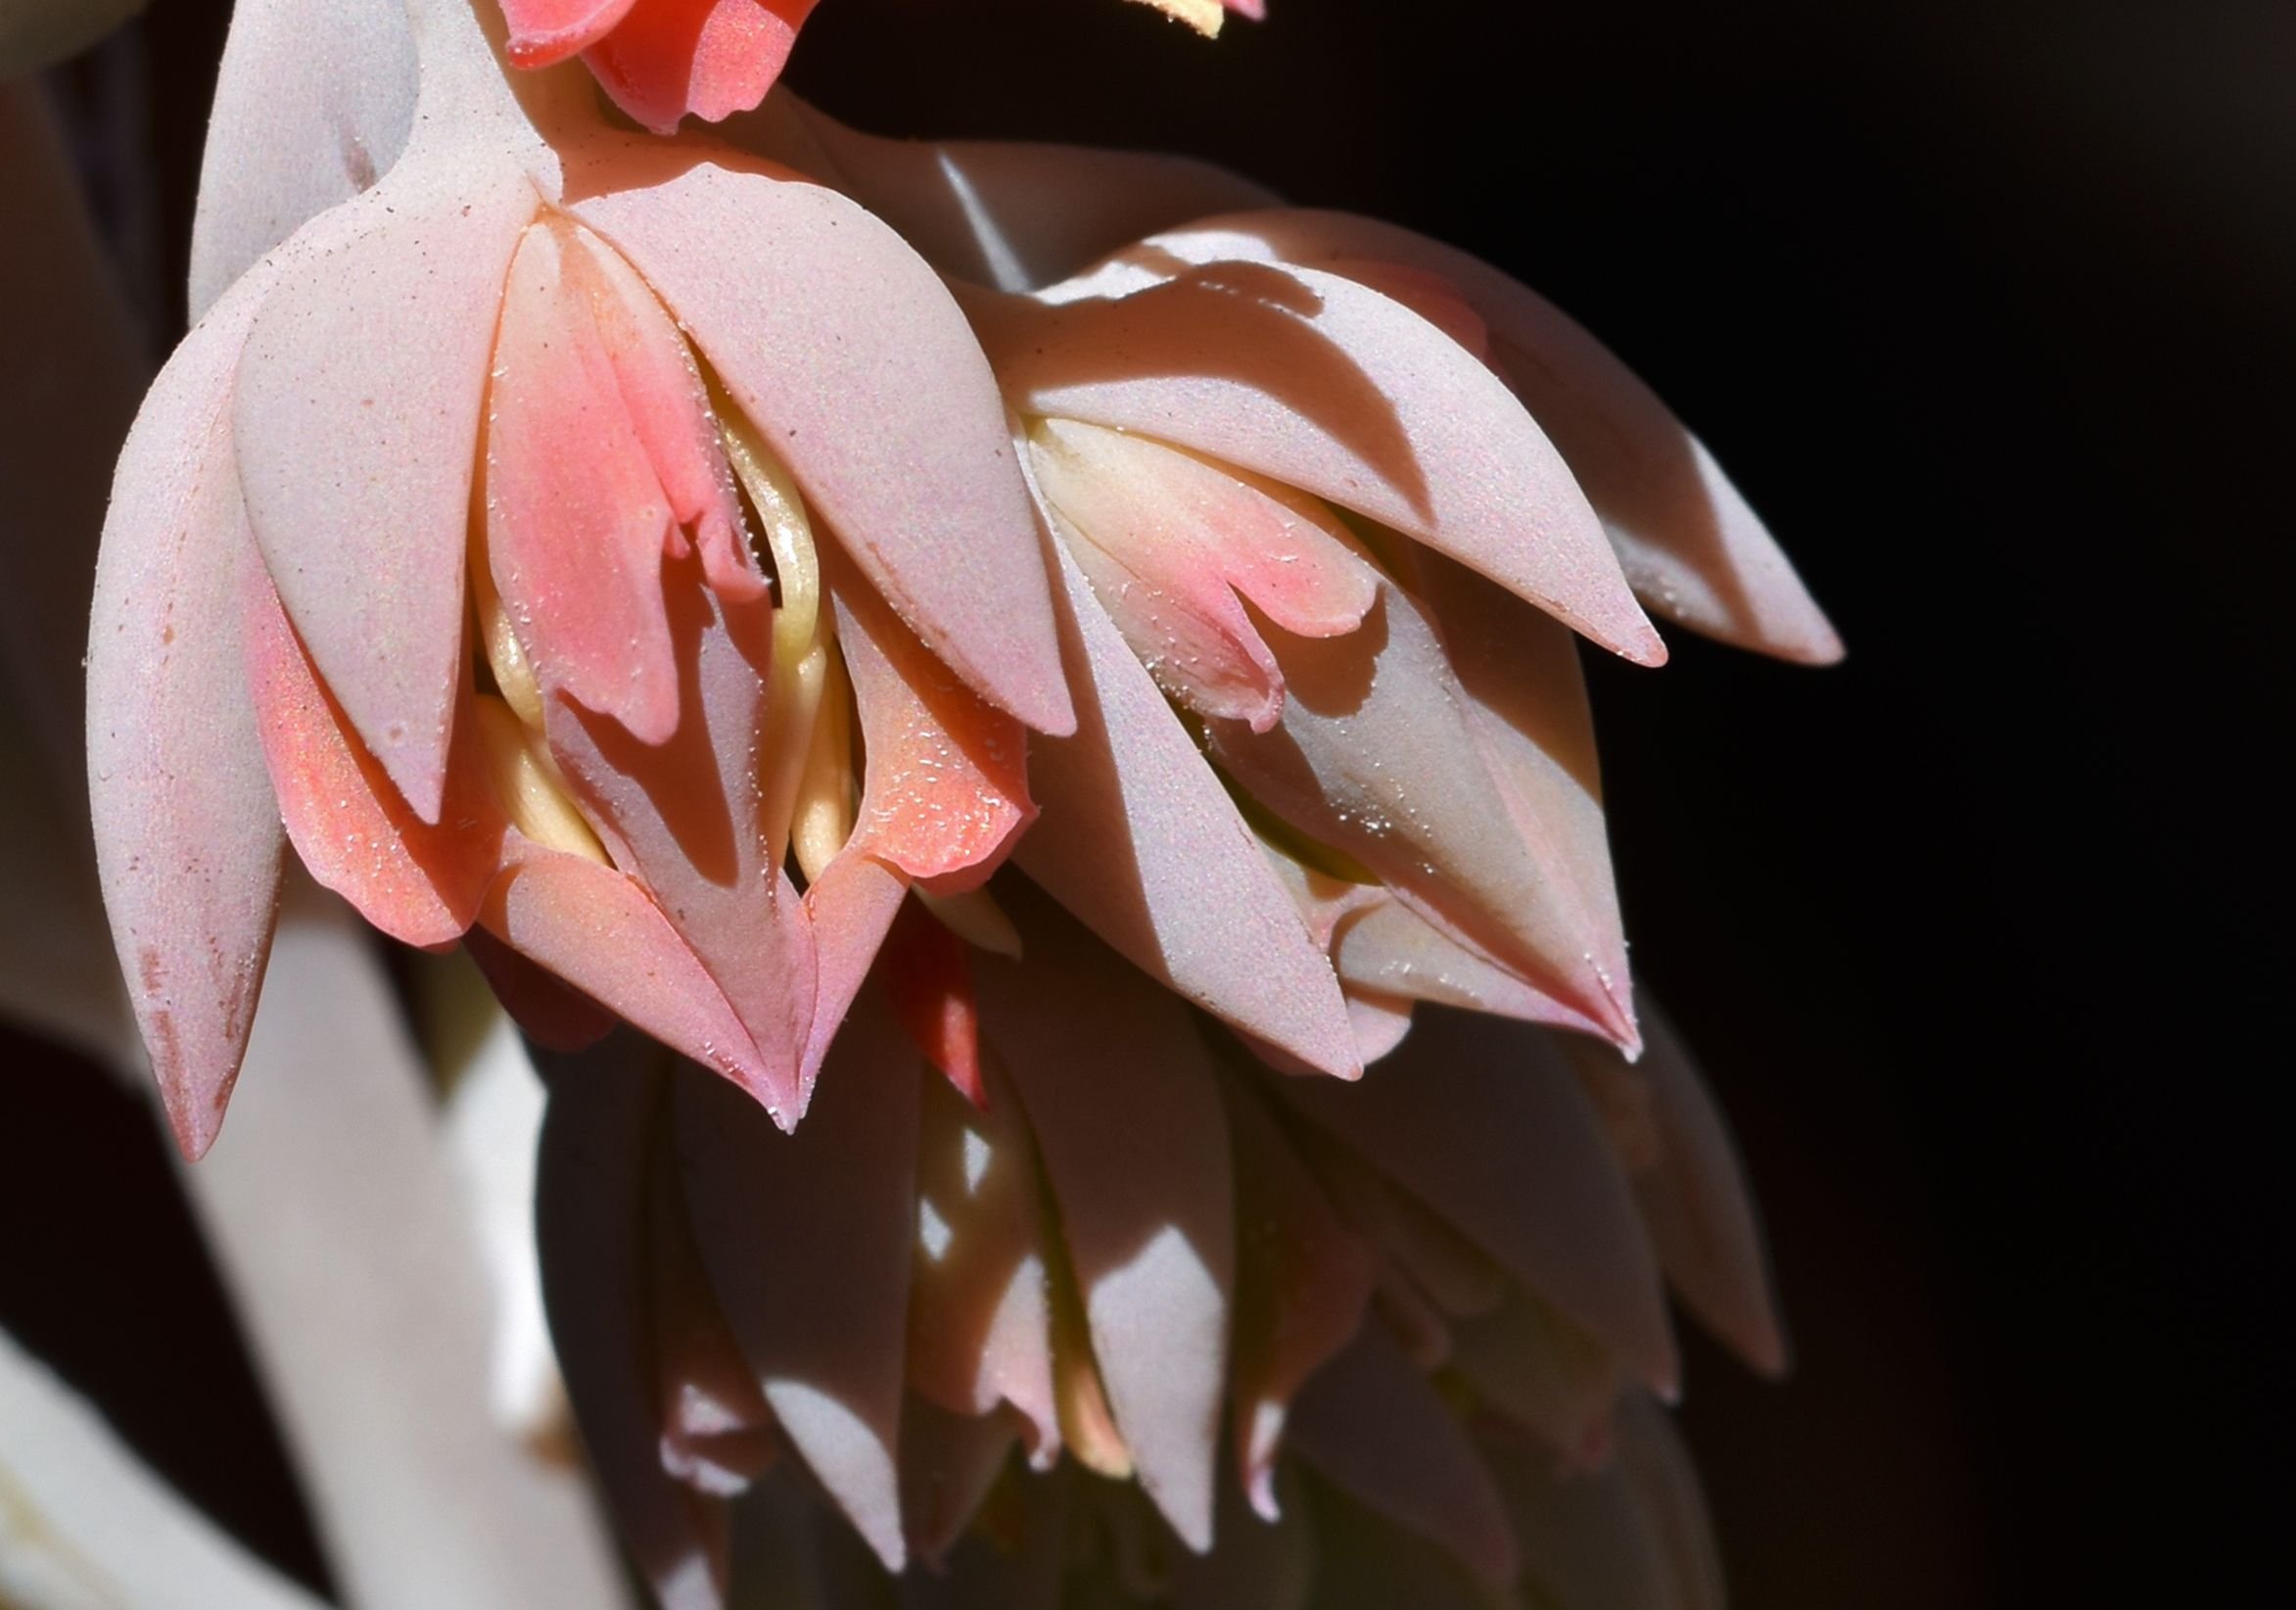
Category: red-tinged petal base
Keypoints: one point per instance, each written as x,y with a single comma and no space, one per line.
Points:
711,58
931,986
417,881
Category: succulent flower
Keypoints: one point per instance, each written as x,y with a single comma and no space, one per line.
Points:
441,539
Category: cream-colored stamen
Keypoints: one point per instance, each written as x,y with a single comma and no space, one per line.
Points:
976,918
514,673
528,782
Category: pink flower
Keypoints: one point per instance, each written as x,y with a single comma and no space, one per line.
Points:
606,745
663,58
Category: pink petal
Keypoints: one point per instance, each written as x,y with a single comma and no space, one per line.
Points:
1479,1119
711,58
356,416
683,818
1542,1372
543,31
1318,383
1140,841
1694,1198
597,930
1374,1425
839,344
590,1213
294,130
1377,755
1014,215
979,1324
188,840
417,881
948,1464
807,1239
1119,1089
1303,1283
1694,550
1392,950
1175,545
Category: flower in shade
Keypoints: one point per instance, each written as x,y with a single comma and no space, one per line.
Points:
1260,1301
542,534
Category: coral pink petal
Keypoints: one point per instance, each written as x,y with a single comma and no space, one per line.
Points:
945,789
597,929
1482,1120
543,31
670,406
979,1319
418,881
711,58
931,991
1695,551
188,840
859,372
294,130
683,818
1371,1424
577,520
357,412
1121,1093
1010,214
1321,384
547,1010
807,1239
1303,1283
1377,755
848,909
591,1195
1140,841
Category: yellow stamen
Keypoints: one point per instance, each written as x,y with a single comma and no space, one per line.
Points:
976,918
826,793
506,657
528,782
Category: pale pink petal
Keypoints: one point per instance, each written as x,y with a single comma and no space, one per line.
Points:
683,817
417,881
848,909
598,930
948,1464
1304,1282
543,31
1536,1368
1632,1537
979,1318
1120,1088
837,340
188,840
357,412
1377,755
296,127
806,1237
1695,551
1319,383
1140,841
1174,546
1371,1423
598,1150
1014,215
1693,1194
1482,1120
1391,949
711,58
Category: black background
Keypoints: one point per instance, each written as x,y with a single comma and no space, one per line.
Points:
1988,307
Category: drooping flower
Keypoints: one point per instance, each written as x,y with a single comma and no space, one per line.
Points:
599,377
1146,1252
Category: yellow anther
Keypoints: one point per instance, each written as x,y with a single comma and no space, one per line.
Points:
825,795
528,783
976,918
506,657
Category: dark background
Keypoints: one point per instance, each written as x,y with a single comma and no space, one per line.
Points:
1988,307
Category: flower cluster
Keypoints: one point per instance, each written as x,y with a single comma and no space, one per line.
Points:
1043,675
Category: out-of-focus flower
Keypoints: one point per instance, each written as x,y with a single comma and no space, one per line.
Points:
473,371
1145,1249
35,32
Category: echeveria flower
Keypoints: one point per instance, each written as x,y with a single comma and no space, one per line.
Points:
1141,1249
663,58
597,376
